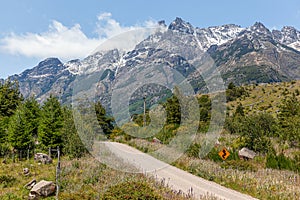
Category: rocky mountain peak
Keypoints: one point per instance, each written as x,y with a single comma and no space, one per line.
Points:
50,62
287,35
243,55
182,26
258,27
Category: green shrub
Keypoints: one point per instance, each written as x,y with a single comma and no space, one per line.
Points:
239,165
10,196
7,180
131,190
282,162
193,150
214,155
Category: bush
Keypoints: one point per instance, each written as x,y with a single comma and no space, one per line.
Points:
239,165
7,180
214,155
193,150
131,190
281,162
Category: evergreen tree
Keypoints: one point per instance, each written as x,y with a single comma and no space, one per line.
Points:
172,107
19,136
73,145
10,98
51,123
105,122
32,116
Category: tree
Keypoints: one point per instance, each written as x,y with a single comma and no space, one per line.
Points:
239,110
289,107
51,123
289,120
105,122
32,116
233,92
173,110
205,107
73,145
255,130
19,136
10,98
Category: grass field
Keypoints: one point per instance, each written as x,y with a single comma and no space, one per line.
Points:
82,179
265,97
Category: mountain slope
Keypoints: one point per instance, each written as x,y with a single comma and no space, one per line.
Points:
242,55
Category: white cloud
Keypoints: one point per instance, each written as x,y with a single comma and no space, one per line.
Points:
65,42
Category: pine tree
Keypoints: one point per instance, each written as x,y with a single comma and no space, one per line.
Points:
105,122
73,146
32,116
19,136
10,98
173,110
51,123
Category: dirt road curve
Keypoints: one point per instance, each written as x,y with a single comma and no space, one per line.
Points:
176,178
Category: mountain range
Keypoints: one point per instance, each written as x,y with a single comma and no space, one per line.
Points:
241,55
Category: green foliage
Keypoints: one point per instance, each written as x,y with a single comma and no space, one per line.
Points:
7,181
32,115
131,190
290,107
105,122
239,165
193,150
281,162
172,107
10,98
239,110
254,74
289,120
214,155
19,132
233,92
205,107
4,122
167,133
73,145
255,130
51,124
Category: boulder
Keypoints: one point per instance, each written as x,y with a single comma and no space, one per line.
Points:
26,171
43,158
42,189
30,185
246,154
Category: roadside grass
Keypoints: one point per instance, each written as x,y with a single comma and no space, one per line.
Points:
14,189
249,177
85,178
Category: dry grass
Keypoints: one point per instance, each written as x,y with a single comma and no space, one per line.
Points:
265,97
86,178
262,183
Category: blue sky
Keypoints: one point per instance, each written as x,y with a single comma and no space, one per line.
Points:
32,30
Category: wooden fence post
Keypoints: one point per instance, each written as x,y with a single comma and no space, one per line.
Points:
57,172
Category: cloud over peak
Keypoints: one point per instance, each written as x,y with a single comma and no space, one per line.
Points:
65,42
